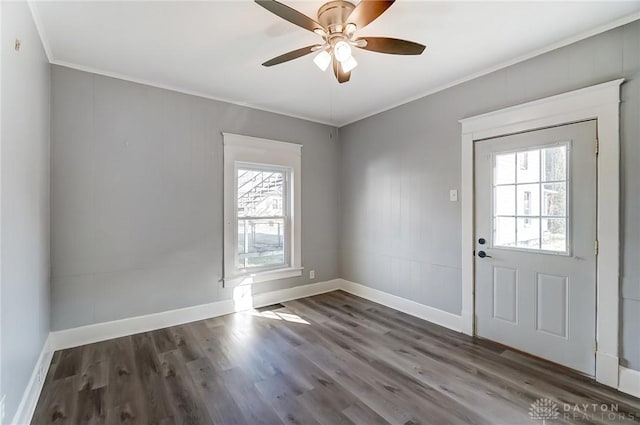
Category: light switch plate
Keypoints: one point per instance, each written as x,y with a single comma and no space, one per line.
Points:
453,195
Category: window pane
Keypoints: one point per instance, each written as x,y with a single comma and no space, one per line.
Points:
529,199
554,164
554,199
505,169
528,166
505,231
541,190
554,234
505,200
528,233
261,243
260,193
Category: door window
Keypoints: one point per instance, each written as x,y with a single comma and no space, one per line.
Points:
530,198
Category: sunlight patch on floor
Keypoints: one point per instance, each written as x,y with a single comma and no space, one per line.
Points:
275,315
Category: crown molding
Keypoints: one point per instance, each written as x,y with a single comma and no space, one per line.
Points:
337,123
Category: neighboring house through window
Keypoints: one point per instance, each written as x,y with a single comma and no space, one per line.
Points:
527,208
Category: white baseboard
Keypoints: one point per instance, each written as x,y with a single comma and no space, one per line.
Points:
430,314
89,334
243,300
31,394
274,297
629,381
607,369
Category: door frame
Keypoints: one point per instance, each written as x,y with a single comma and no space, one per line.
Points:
602,103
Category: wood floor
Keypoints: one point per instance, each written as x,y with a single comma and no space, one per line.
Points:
330,359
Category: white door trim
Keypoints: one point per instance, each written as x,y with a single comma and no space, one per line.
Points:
600,102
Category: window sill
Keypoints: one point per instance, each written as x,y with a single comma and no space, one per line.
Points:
263,276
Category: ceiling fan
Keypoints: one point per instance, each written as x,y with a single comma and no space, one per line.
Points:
337,23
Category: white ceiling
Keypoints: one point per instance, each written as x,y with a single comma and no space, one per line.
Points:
215,48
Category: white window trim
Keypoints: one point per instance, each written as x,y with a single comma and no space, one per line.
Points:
600,102
262,152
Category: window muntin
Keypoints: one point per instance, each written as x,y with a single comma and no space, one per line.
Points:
530,199
262,217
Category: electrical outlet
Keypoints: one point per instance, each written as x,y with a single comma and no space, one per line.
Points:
312,274
453,195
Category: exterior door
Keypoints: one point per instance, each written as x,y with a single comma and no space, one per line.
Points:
535,220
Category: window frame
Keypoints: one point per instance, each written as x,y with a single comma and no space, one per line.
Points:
257,153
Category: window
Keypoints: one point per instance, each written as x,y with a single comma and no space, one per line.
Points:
261,209
262,222
530,198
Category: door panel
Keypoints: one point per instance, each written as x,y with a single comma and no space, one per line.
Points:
551,304
536,268
505,294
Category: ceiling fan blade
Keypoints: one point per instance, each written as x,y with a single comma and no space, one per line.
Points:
291,15
367,11
392,46
295,54
341,76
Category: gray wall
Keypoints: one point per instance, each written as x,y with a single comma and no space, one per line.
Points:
399,231
25,201
137,197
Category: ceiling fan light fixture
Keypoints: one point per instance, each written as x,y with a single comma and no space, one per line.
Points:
342,51
322,60
337,23
349,64
360,43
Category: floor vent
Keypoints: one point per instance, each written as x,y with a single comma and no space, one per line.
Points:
270,307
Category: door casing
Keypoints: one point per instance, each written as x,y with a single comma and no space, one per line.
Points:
602,103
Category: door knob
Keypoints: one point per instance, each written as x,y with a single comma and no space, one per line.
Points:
483,254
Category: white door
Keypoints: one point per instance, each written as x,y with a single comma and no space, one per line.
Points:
535,218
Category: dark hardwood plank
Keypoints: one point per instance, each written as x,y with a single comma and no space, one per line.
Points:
126,401
69,363
284,400
221,406
57,403
163,339
182,393
94,367
253,406
186,343
91,408
324,360
159,410
360,414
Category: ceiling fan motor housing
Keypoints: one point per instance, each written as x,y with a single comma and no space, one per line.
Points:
333,15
